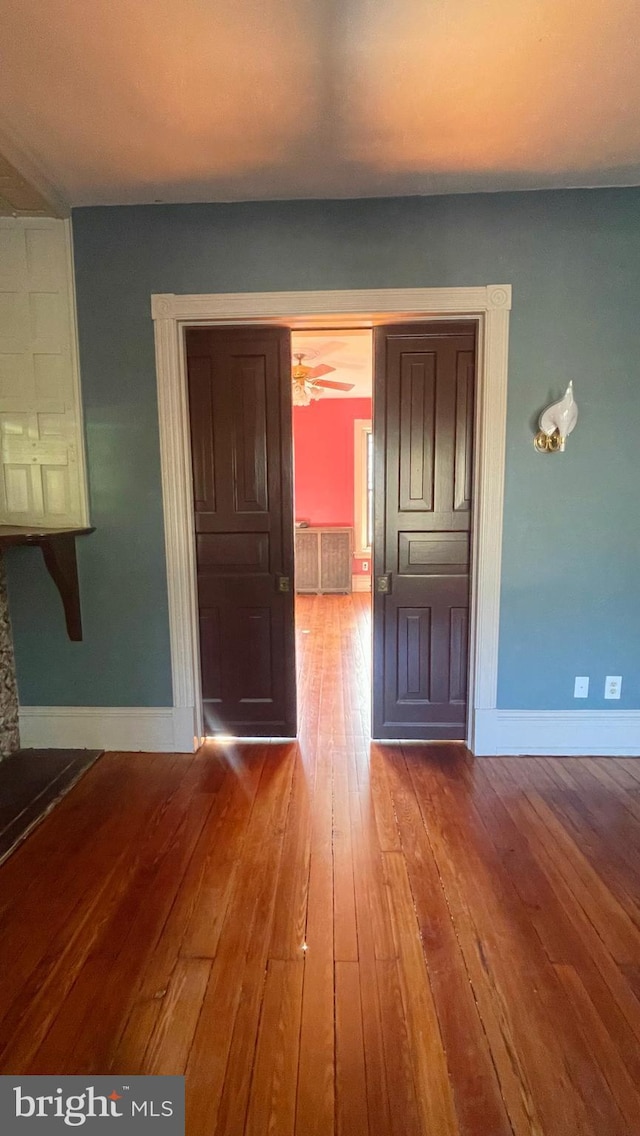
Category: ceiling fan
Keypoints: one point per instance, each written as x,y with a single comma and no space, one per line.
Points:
308,383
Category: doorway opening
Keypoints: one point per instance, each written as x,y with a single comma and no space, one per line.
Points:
489,306
332,378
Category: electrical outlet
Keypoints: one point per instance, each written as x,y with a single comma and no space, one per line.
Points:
581,686
613,686
365,565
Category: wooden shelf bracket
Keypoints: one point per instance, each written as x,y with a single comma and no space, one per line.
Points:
59,552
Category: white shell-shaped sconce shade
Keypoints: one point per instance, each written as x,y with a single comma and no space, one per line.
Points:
561,416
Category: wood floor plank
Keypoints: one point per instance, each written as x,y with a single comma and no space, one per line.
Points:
386,823
170,1042
217,877
404,1118
146,1004
344,902
290,918
376,1030
316,1090
476,1088
247,929
352,1118
430,1074
272,1103
368,868
234,1099
623,1087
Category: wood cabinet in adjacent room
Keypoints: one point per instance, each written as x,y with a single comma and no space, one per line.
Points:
323,559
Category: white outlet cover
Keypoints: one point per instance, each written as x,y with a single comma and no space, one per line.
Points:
581,686
613,686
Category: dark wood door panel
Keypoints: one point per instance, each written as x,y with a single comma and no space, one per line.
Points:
424,388
240,416
237,552
416,429
248,379
242,690
433,553
426,634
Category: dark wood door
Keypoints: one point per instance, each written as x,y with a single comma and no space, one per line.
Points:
241,448
423,440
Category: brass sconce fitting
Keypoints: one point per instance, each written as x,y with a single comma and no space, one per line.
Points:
548,443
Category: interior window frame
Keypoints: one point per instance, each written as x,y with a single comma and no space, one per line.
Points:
362,428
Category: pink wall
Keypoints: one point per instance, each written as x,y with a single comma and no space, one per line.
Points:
323,460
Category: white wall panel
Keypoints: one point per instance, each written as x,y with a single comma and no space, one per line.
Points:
43,477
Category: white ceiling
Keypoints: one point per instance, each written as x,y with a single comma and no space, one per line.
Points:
348,352
118,101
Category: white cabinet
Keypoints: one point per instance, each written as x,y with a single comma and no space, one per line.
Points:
42,472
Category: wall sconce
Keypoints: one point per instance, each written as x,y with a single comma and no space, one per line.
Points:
556,423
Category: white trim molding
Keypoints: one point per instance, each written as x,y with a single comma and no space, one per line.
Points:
562,733
489,304
360,582
151,729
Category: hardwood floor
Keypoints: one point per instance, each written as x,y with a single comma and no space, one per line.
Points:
332,938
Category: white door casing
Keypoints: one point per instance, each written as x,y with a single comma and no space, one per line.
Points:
489,304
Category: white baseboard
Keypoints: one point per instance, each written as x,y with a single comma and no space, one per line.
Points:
564,733
164,729
170,729
360,583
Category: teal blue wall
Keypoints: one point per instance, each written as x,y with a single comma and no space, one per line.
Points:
571,534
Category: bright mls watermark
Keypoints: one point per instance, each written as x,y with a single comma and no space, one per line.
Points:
124,1106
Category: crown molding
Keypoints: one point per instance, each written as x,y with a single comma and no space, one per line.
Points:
29,167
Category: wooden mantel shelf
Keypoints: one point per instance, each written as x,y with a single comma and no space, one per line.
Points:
59,552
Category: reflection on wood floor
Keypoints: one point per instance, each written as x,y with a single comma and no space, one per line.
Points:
330,938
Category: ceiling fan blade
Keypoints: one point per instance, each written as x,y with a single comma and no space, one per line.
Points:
361,365
316,372
326,349
334,386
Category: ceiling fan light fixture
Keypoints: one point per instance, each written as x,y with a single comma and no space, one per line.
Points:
303,389
300,395
300,372
309,383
